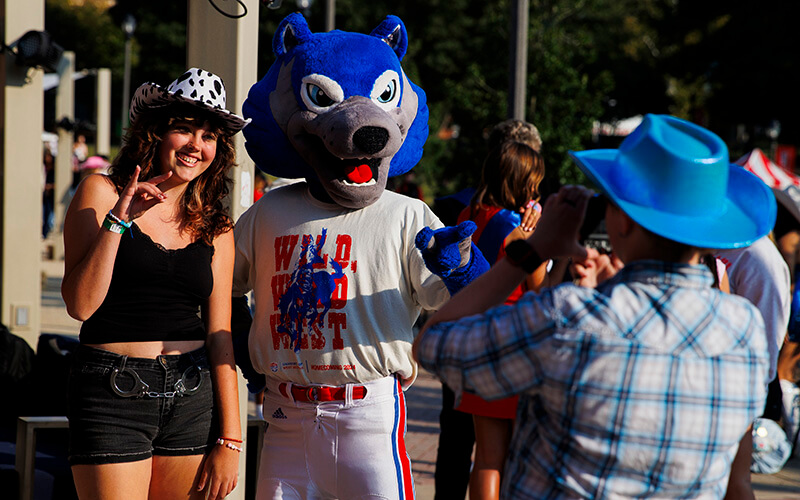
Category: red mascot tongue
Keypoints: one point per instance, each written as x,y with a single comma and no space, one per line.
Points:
358,174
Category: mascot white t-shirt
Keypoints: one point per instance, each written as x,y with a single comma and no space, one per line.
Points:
336,291
337,277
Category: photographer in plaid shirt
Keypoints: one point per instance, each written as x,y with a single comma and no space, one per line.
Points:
642,385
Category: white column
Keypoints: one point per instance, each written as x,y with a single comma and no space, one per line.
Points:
21,176
103,111
65,110
231,53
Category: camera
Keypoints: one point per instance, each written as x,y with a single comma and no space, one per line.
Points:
593,233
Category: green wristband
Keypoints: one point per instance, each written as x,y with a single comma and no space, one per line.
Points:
112,226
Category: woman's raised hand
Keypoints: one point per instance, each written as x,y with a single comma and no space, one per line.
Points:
138,197
530,216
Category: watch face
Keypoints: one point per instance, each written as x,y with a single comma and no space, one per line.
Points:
521,254
520,248
516,251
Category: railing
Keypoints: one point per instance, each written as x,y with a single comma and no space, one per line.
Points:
26,447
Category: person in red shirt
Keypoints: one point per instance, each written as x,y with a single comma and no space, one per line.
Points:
509,185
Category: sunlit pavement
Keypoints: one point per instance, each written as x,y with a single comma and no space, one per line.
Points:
424,400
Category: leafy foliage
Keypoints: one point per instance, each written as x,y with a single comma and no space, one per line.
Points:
733,67
160,38
89,31
459,53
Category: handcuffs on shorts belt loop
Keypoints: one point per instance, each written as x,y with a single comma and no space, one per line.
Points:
141,388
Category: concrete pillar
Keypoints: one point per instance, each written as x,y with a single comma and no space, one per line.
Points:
21,176
65,110
231,53
103,111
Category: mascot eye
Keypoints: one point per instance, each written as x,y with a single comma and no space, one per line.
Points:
320,93
386,90
319,97
388,94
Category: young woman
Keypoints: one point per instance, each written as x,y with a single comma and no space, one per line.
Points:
510,182
153,399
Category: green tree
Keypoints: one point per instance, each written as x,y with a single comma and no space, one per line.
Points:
89,31
732,66
93,31
159,39
459,51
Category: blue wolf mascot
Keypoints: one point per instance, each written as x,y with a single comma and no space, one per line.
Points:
332,261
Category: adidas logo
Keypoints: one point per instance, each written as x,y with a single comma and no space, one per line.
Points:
278,414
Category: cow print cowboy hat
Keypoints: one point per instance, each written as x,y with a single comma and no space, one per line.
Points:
197,86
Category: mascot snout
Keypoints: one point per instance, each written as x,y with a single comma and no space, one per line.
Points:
357,128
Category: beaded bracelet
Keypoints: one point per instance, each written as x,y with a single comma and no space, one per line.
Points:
119,221
232,446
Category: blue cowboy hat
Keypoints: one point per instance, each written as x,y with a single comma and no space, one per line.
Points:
674,178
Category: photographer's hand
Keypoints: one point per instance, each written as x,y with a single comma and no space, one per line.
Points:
557,231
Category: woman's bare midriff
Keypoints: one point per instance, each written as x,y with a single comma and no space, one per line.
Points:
150,349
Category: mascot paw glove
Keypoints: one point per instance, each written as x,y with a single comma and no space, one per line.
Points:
450,254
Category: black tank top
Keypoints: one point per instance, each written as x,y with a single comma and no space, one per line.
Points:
155,293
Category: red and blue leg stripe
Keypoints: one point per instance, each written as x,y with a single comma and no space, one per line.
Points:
402,463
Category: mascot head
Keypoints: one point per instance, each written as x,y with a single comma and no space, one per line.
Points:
337,109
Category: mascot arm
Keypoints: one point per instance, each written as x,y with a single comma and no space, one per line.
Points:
450,254
240,331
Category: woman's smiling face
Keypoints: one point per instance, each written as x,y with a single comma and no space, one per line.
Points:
187,150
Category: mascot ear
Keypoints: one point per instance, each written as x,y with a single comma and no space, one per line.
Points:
393,32
292,32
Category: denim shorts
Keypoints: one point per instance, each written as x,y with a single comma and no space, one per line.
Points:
125,409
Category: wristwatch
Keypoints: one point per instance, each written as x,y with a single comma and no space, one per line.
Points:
521,254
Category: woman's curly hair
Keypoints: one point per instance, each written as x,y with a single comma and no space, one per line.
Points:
203,213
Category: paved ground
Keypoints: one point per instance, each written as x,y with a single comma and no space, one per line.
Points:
424,402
